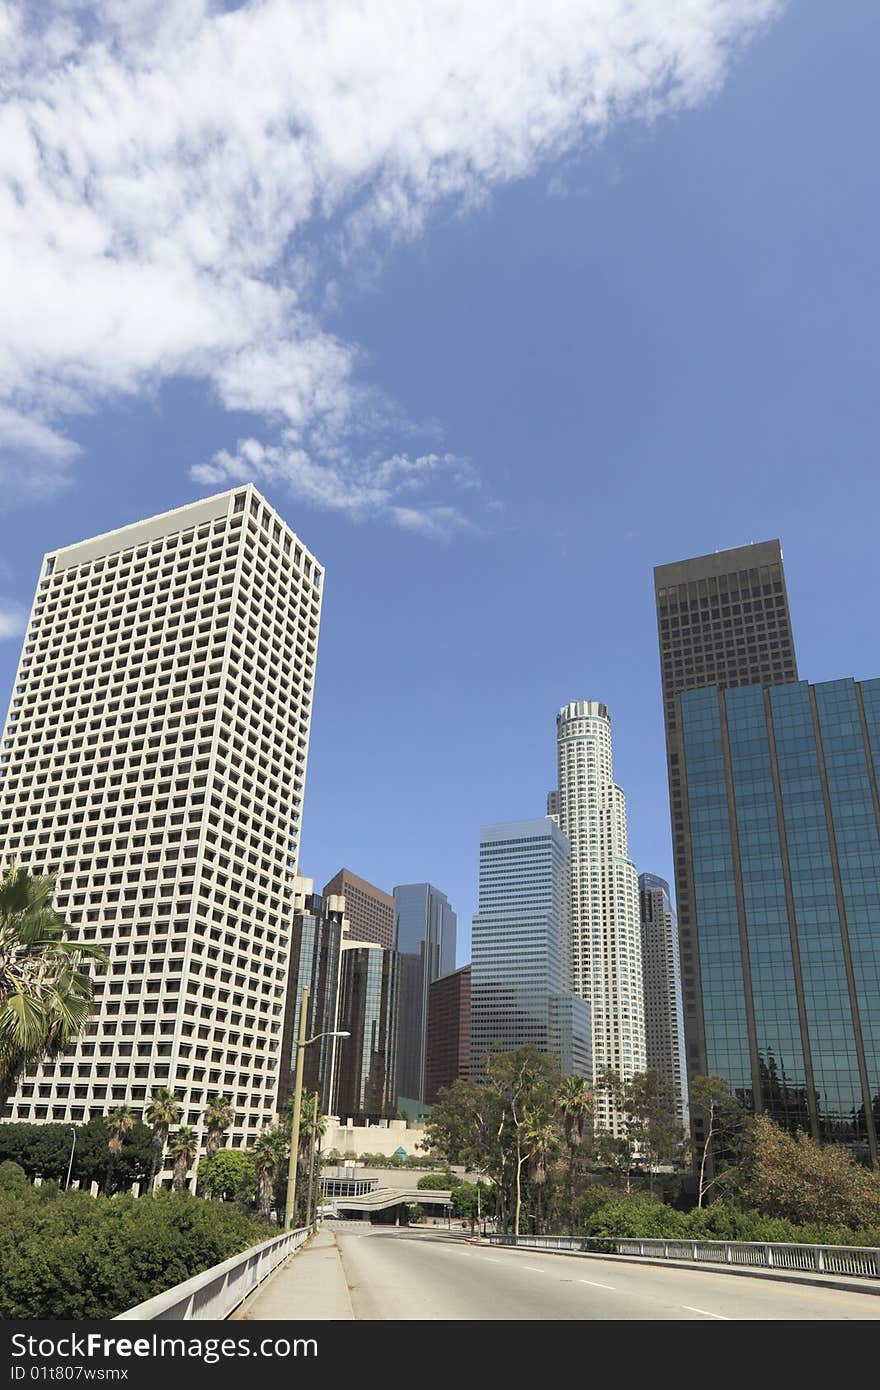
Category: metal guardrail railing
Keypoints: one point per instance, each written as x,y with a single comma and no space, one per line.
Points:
861,1260
217,1292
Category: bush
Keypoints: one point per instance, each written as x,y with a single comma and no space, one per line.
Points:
645,1220
792,1177
13,1178
439,1181
72,1256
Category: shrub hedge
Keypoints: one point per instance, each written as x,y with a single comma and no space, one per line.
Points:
70,1255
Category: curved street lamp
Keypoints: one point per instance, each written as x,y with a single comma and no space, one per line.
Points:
302,1043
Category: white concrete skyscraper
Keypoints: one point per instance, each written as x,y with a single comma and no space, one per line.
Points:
154,759
606,931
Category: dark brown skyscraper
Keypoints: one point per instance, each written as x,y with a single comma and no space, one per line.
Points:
448,1046
722,620
370,912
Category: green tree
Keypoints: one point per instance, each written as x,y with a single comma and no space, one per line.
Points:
269,1154
542,1146
219,1116
526,1080
93,1161
438,1182
230,1177
483,1125
649,1102
469,1199
574,1101
725,1127
793,1177
162,1112
616,1151
45,989
120,1121
182,1149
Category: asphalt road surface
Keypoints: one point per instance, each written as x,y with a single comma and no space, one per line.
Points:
408,1274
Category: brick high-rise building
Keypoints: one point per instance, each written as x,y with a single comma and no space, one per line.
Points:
154,759
448,1050
369,911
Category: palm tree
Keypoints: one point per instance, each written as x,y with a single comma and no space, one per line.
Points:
269,1153
45,993
182,1149
119,1123
218,1117
162,1112
542,1143
574,1101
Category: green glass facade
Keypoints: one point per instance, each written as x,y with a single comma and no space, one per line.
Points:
780,792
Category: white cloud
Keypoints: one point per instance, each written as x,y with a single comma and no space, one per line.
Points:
13,619
361,487
181,186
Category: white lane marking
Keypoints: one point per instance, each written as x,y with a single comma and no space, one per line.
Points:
720,1316
490,1260
594,1285
534,1269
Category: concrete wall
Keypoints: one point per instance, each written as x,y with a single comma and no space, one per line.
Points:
359,1139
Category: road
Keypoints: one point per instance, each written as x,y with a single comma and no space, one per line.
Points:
409,1274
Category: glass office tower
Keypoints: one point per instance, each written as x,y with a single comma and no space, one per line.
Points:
520,967
319,925
661,975
365,1089
425,929
780,793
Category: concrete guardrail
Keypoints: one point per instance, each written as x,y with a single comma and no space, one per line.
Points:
217,1292
863,1261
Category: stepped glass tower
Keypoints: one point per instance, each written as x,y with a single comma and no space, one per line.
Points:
154,760
606,950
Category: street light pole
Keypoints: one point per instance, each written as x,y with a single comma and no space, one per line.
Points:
310,1220
302,1043
297,1108
70,1164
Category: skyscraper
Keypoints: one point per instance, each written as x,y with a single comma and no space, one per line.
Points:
425,930
520,968
154,758
723,620
366,1062
369,911
317,935
606,940
780,790
448,1050
661,975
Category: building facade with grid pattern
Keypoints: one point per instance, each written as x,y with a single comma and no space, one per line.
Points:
520,968
722,620
425,932
365,1086
154,759
784,858
606,942
661,974
449,1032
370,911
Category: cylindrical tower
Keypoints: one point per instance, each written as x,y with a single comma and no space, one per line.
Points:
606,951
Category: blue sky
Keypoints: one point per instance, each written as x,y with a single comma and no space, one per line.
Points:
494,363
